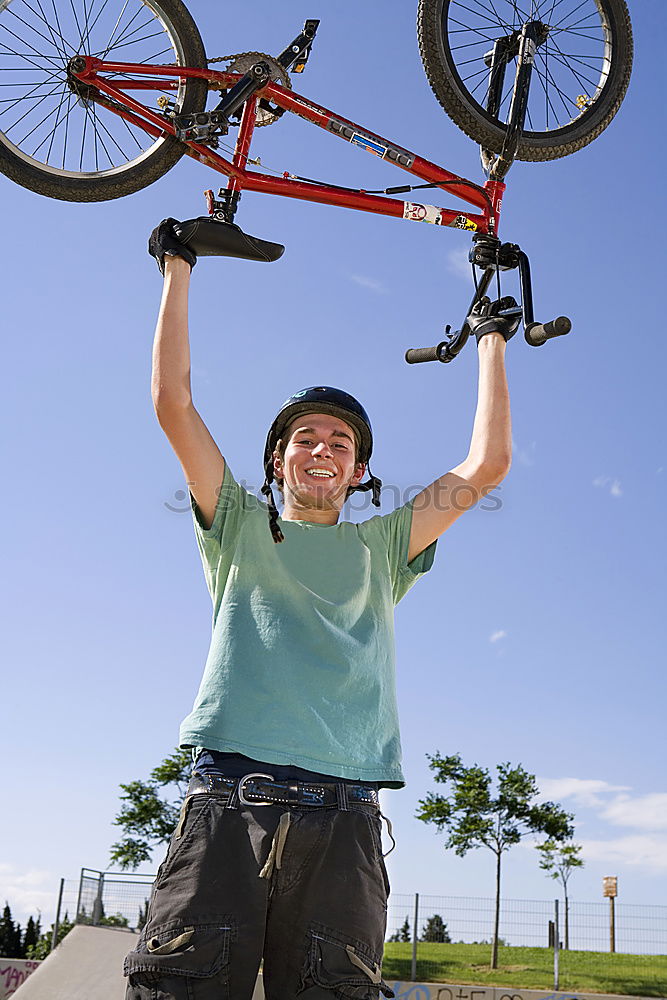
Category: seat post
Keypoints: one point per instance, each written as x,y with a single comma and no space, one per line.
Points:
232,193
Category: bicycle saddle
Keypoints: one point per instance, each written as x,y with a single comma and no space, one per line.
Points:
209,238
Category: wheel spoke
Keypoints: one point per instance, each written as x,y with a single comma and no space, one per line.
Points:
547,99
24,97
123,37
83,136
477,14
35,127
476,31
97,17
36,51
127,126
55,128
78,26
42,16
571,13
582,80
122,45
563,62
563,96
69,105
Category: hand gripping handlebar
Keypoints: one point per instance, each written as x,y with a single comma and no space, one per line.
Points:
488,253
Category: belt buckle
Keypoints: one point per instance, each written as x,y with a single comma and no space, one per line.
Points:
247,777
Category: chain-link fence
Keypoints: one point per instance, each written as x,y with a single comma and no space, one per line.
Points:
540,945
115,899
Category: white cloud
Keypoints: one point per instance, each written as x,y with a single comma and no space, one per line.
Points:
526,456
495,636
371,283
458,263
646,812
584,791
640,849
28,892
609,482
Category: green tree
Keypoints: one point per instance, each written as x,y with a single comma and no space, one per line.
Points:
7,933
473,815
559,861
403,933
19,950
32,932
117,920
43,946
436,930
146,818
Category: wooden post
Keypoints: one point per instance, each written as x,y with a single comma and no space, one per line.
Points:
610,889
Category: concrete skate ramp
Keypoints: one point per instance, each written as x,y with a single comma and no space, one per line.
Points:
86,965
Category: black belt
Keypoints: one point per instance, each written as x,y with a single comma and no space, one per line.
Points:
263,790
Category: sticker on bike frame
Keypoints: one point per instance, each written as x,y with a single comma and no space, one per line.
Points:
422,213
368,144
393,153
463,222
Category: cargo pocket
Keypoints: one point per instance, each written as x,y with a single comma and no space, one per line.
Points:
186,961
342,965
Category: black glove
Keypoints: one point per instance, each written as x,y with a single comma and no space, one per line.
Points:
163,241
484,317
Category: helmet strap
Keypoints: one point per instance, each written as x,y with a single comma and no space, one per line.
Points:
374,484
276,533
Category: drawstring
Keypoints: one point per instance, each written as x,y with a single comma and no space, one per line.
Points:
389,831
275,858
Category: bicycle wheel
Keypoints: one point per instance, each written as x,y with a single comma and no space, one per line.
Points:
580,73
64,145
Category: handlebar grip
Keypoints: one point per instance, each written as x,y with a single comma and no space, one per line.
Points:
415,355
537,334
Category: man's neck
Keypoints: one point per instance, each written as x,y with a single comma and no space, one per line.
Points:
300,512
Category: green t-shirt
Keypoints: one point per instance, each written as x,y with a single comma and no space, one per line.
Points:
301,667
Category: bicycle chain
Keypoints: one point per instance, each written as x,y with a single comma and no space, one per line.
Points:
278,74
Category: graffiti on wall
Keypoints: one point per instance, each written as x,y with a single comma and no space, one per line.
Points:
434,991
14,972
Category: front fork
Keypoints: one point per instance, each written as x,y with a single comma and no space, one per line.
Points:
522,44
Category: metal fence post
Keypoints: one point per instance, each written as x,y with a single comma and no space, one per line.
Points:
556,944
56,926
98,908
413,974
78,901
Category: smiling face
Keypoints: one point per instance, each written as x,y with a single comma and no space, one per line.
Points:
317,464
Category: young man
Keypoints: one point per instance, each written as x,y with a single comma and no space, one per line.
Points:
278,853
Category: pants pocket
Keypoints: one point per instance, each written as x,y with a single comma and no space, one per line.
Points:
341,966
186,962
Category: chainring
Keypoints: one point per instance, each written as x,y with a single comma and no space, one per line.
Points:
242,62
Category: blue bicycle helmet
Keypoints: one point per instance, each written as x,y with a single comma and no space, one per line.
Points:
319,399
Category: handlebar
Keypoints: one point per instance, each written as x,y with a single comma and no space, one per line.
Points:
415,355
537,334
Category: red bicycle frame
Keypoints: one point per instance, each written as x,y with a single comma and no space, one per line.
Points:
486,198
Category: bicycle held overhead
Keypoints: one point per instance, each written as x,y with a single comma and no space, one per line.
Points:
531,84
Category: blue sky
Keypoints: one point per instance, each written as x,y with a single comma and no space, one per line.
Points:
538,635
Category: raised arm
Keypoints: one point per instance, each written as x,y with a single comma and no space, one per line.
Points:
489,457
202,463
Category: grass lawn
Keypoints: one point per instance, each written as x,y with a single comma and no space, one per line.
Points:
530,968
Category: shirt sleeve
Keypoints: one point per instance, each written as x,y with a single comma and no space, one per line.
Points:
394,529
233,505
